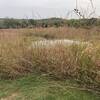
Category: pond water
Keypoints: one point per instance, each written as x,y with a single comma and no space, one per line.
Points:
65,42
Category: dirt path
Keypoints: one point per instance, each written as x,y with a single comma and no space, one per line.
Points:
11,97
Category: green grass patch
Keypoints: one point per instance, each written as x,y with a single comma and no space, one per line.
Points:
37,87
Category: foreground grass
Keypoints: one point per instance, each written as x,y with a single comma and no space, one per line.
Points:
18,57
42,88
78,62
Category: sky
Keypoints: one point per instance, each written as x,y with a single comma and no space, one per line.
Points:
45,8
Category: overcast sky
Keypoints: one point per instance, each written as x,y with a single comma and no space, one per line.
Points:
43,8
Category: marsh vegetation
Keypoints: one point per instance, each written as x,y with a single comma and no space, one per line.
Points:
27,56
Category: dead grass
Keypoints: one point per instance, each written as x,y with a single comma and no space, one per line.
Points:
76,61
55,33
79,62
65,32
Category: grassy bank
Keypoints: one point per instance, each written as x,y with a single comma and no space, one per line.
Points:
39,87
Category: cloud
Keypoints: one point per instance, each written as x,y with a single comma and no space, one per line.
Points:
46,8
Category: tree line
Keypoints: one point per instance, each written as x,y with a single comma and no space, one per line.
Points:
7,23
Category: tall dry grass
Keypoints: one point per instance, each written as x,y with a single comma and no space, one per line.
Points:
57,33
76,61
13,55
65,33
79,62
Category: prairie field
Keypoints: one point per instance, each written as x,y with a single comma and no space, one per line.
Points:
32,68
